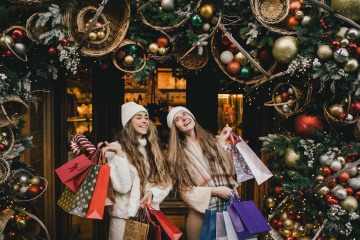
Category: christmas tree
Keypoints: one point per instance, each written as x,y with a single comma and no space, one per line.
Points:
304,51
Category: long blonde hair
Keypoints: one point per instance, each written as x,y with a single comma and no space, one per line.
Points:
159,169
179,160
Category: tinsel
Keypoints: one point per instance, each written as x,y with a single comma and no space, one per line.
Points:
70,57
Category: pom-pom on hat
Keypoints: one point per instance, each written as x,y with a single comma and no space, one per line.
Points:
175,110
129,109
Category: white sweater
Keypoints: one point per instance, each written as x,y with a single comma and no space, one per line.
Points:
126,184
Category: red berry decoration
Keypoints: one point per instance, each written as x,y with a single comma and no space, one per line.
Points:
232,48
285,96
162,42
18,35
264,55
52,51
326,170
64,42
306,125
352,47
7,53
233,67
335,44
277,190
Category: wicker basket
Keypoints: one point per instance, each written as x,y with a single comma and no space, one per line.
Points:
27,2
9,136
26,42
272,13
215,46
336,121
168,55
188,55
299,102
117,12
120,66
11,109
4,170
142,8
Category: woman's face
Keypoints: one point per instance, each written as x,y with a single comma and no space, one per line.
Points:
140,123
184,122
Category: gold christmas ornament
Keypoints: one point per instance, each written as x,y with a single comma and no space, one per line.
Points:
35,181
214,20
100,35
347,8
285,49
153,48
324,52
349,204
288,224
278,99
92,36
302,231
320,178
129,60
269,202
351,65
299,15
283,216
336,109
286,233
291,157
324,191
207,11
341,159
16,187
240,58
162,51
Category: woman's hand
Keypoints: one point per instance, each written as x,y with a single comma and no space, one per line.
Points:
113,148
224,135
146,199
222,191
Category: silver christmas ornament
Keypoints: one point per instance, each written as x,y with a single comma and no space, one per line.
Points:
285,108
340,193
5,41
351,65
352,34
341,55
23,189
354,183
352,171
337,186
305,21
324,159
167,5
206,27
23,179
20,49
335,166
291,91
349,117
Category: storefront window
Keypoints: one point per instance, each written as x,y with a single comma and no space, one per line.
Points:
230,111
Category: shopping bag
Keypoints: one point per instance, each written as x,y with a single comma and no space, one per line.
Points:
230,230
84,194
208,230
253,221
243,172
98,198
66,199
137,228
257,167
110,197
220,227
154,228
170,229
74,172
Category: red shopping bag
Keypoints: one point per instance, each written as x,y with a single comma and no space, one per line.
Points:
171,230
97,202
74,172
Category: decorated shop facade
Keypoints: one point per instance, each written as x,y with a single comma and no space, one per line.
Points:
284,74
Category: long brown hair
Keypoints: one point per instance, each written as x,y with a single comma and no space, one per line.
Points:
159,169
179,161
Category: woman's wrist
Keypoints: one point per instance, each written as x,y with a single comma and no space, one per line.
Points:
224,144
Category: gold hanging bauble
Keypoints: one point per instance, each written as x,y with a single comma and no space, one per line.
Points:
324,52
92,36
351,65
336,109
324,191
291,157
278,99
285,49
320,178
349,204
207,11
286,233
153,48
283,216
35,181
240,58
270,202
288,224
129,60
347,8
100,34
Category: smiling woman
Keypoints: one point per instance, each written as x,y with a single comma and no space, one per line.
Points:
139,173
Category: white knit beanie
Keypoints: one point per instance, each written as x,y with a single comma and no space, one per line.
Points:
175,110
129,109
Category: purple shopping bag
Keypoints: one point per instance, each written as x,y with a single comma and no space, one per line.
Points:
236,221
252,220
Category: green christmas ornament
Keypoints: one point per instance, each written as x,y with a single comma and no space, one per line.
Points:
245,72
132,49
196,21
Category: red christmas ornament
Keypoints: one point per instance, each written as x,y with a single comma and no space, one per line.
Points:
285,96
273,223
224,40
162,42
232,48
98,24
294,7
52,51
290,214
11,234
356,108
64,42
17,35
277,190
344,177
104,66
264,54
349,191
331,200
291,22
342,115
33,190
233,67
332,183
335,44
7,53
279,224
357,195
326,170
306,125
357,52
120,55
2,147
352,47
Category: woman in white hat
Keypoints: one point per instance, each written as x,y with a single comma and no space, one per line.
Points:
201,167
139,173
